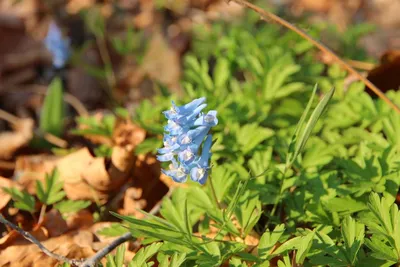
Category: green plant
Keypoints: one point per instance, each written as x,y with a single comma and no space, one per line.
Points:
49,193
52,114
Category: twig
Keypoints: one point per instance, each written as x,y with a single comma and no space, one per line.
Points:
4,115
105,56
52,139
69,98
361,65
268,16
90,262
32,239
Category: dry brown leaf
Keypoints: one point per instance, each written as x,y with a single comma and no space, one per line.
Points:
12,141
81,220
146,175
29,169
88,177
95,228
386,75
75,6
127,133
28,254
133,202
162,63
54,223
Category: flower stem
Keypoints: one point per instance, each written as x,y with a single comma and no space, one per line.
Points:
214,194
278,198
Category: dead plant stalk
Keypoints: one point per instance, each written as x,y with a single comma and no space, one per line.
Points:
268,17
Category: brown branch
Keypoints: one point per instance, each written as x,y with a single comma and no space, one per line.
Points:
90,262
33,240
268,16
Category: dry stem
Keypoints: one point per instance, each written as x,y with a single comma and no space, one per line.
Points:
268,16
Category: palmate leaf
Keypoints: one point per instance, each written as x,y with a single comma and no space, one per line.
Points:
115,229
118,259
353,236
53,190
155,228
251,135
22,200
144,254
386,228
176,260
304,247
268,240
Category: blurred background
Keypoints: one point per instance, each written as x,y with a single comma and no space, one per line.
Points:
103,72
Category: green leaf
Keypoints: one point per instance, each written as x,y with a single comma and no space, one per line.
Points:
304,247
353,236
71,206
52,113
268,241
53,192
22,200
251,135
119,257
116,229
144,254
320,108
148,146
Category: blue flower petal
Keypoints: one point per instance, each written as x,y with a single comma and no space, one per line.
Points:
209,119
166,157
199,175
177,174
58,46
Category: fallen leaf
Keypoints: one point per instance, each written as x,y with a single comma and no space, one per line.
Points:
81,220
29,169
12,141
162,63
386,75
54,223
28,254
133,202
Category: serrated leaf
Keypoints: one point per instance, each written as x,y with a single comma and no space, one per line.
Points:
116,229
53,192
353,236
304,247
268,240
144,254
22,200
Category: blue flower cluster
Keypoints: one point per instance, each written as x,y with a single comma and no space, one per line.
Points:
186,131
58,46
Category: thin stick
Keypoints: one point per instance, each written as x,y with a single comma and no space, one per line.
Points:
101,253
33,240
52,139
268,16
4,115
90,262
69,98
